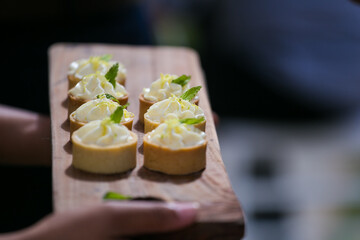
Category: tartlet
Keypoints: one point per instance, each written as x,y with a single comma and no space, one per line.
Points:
82,67
163,88
172,107
98,109
91,86
174,148
104,147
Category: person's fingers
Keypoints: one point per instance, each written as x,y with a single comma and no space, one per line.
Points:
134,218
89,223
114,219
216,118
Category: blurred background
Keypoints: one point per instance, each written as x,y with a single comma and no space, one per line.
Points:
283,76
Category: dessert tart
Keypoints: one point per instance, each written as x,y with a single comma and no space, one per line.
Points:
95,84
174,107
175,148
163,88
104,146
99,109
82,67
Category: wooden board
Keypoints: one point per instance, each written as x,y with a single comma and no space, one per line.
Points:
220,215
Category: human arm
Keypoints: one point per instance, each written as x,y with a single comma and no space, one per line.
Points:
25,137
111,220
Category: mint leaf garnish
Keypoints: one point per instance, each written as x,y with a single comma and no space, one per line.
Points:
115,196
106,57
125,105
108,96
118,113
120,197
182,80
192,121
112,73
191,93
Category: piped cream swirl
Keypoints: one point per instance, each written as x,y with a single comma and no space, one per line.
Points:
103,133
99,109
174,135
173,107
94,84
163,88
83,67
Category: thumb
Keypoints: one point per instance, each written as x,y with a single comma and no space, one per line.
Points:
134,218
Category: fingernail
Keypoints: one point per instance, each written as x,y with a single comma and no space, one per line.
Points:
185,211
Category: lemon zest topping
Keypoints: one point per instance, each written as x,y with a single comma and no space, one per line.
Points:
101,96
104,124
96,61
166,78
173,125
181,102
126,114
106,104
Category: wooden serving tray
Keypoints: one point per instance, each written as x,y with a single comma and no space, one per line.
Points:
220,215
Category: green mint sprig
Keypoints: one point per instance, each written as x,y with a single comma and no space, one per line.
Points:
191,93
182,80
108,96
106,57
192,121
118,113
112,73
115,196
121,197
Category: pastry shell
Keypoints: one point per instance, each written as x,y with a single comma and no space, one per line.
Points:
75,124
174,162
75,102
146,104
72,81
150,125
105,160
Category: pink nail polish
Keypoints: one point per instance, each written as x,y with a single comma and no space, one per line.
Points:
185,211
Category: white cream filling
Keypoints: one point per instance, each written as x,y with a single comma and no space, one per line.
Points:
94,84
99,109
162,88
103,133
83,67
175,108
174,135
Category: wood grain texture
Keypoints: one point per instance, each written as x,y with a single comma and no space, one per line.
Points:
220,215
